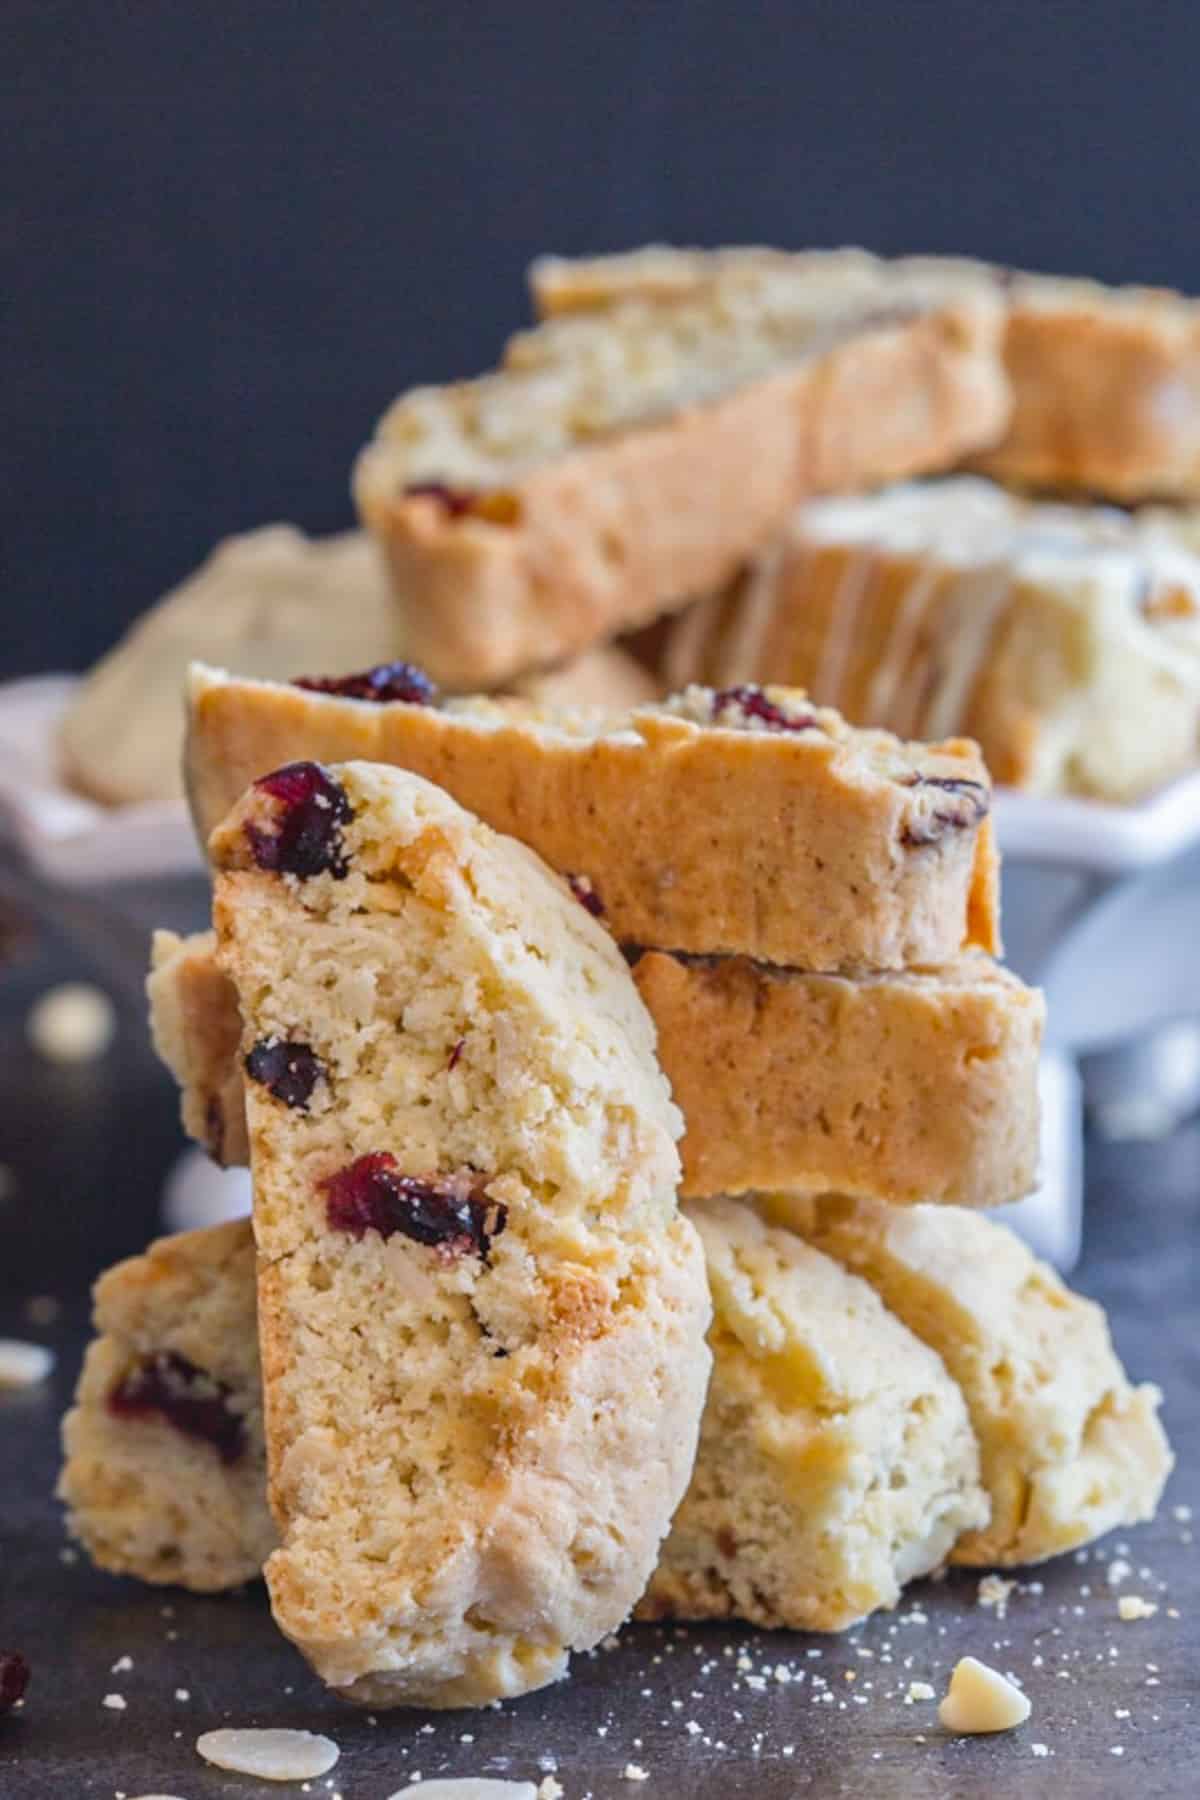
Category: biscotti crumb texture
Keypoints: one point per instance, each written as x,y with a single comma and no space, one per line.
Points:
163,1477
836,1459
482,1318
744,820
533,512
1070,1448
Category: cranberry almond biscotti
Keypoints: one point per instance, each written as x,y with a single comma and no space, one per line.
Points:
745,820
821,1394
1105,381
482,1317
1070,1449
1065,640
907,1087
617,464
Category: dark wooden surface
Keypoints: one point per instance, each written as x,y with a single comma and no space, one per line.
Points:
88,1149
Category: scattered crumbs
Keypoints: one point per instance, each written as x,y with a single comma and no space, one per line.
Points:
1118,1571
610,1642
549,1789
114,1702
122,1665
692,1729
1182,1514
994,1592
183,1693
68,1555
634,1772
1117,1750
918,1690
1120,1712
467,1737
1040,1749
1132,1606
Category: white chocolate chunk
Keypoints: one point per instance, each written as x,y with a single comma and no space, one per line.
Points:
981,1699
23,1365
271,1755
72,1023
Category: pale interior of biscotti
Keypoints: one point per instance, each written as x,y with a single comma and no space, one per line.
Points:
578,377
836,1459
1034,1361
145,1497
471,1021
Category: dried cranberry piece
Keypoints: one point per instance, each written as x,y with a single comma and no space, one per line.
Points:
448,1212
307,835
456,1052
750,700
190,1399
386,681
288,1070
453,501
967,804
14,1679
587,894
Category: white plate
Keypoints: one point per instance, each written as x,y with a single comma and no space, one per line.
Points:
65,837
73,840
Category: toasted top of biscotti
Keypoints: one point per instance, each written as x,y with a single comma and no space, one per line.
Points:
573,380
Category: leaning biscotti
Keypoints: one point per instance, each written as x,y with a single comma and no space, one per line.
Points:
164,1474
1105,381
919,1085
836,1459
482,1317
1070,1449
1065,640
615,465
743,821
906,1087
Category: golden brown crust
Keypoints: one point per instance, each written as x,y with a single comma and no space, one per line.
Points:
1105,380
904,1088
793,848
589,545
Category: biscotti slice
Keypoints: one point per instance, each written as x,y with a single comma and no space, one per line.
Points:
270,602
1066,640
165,1468
482,1317
836,1459
744,820
1105,381
1069,1448
616,464
908,1087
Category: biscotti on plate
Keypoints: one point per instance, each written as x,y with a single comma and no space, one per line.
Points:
615,465
482,1317
1105,381
271,602
914,1086
836,1458
1069,1448
745,820
1065,640
164,1474
909,1086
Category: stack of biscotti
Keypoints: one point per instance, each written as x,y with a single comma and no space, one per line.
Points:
1065,639
856,1434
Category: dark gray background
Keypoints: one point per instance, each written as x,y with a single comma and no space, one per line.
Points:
231,233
